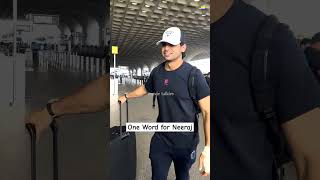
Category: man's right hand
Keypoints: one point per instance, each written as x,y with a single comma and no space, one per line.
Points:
40,119
122,99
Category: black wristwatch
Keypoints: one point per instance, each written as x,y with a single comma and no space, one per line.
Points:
49,108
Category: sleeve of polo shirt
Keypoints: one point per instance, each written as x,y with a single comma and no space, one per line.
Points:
298,90
149,84
202,88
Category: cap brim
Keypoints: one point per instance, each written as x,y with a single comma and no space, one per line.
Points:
173,43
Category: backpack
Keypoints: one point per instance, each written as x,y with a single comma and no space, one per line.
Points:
192,88
263,92
313,62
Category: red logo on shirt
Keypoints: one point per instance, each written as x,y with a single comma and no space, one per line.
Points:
166,82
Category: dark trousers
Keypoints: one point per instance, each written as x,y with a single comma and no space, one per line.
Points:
162,155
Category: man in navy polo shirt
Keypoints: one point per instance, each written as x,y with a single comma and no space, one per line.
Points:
170,81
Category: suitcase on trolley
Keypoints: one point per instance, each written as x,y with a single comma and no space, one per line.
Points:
123,152
32,132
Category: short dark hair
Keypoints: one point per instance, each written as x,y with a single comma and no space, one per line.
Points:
183,55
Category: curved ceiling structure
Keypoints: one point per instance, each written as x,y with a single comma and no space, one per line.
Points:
138,24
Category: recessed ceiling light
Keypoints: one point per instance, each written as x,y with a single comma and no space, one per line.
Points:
134,3
203,15
147,5
164,1
144,11
196,0
159,7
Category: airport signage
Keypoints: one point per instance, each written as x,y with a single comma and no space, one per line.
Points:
114,49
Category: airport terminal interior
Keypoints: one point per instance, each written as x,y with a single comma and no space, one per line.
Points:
49,49
60,47
136,27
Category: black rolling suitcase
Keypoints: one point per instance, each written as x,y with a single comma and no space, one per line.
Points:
123,152
32,131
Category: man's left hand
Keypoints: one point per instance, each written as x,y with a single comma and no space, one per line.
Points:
204,162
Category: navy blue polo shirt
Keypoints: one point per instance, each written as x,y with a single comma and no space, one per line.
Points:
174,101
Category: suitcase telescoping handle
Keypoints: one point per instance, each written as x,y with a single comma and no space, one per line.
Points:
120,111
54,129
32,132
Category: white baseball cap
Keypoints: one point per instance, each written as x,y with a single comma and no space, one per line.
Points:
172,35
